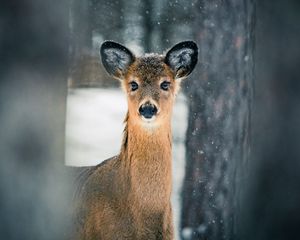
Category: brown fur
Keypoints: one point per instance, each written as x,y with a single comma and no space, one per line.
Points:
128,196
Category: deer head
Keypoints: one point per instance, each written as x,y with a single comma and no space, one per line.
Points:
151,81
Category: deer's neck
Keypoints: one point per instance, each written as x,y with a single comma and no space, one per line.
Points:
146,155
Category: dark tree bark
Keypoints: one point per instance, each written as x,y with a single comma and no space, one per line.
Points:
33,70
272,206
217,140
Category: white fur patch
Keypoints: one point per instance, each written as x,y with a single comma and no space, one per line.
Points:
149,124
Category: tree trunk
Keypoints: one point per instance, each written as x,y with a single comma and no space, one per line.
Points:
80,28
272,209
33,70
147,13
217,140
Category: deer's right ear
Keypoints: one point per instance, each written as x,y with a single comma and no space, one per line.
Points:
116,58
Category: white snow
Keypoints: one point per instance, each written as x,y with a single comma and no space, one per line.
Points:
94,126
187,233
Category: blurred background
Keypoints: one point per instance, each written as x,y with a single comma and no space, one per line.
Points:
236,139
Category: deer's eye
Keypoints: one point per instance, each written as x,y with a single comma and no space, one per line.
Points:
134,86
165,85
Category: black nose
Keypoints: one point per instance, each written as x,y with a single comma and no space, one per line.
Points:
148,110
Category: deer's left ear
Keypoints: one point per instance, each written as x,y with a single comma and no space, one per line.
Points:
182,58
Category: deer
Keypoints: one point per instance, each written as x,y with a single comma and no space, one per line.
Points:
129,196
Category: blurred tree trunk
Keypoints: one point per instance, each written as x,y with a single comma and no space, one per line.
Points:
147,13
107,19
217,141
273,195
33,71
80,45
81,19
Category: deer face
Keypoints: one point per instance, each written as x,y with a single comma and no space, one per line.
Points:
151,81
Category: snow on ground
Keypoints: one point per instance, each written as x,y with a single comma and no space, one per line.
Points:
94,126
